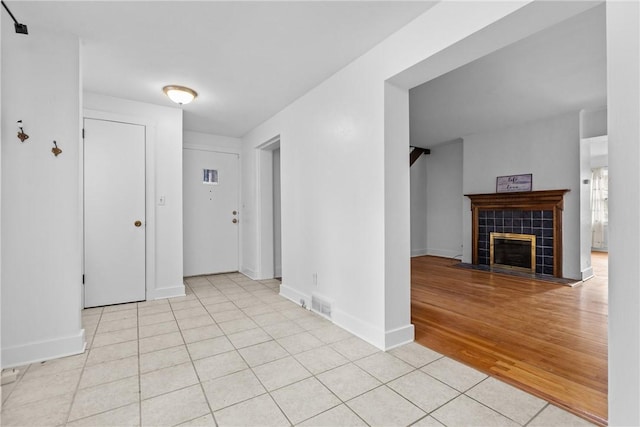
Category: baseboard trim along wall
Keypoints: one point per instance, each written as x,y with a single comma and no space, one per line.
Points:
43,350
399,336
162,293
249,273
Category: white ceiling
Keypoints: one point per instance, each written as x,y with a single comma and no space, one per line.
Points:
247,60
555,71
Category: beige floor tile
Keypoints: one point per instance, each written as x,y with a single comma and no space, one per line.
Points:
206,421
466,411
304,399
266,319
120,307
552,416
166,380
348,381
221,307
299,343
115,337
280,373
428,421
160,342
126,416
94,400
315,322
163,358
384,367
92,311
117,325
213,298
109,371
195,322
47,412
43,387
210,347
263,353
219,365
415,354
283,305
507,400
55,366
153,303
190,312
283,329
339,416
119,315
227,316
454,374
259,411
165,316
256,310
296,313
112,352
153,309
321,359
423,390
239,325
248,302
175,407
383,407
201,333
231,389
330,334
175,306
248,338
354,348
146,331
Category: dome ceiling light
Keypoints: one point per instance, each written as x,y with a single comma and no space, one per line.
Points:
180,94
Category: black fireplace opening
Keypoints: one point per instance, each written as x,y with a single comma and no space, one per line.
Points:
512,253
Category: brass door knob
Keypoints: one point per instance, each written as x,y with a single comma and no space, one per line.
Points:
234,220
137,223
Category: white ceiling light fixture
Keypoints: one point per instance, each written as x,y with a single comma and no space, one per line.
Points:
180,94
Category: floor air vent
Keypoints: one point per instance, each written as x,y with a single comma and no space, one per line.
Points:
321,306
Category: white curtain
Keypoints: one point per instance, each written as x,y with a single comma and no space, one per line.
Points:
599,207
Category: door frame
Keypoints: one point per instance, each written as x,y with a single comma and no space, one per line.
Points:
150,194
264,211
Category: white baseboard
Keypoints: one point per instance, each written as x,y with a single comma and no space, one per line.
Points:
399,336
295,296
587,273
43,350
364,330
446,253
249,273
419,252
162,293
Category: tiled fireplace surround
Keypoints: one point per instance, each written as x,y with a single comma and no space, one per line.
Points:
538,223
535,212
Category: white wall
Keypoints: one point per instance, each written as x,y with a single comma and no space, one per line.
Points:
277,214
164,157
623,88
206,141
436,202
550,150
345,179
41,258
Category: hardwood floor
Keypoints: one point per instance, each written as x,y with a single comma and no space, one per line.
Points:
544,338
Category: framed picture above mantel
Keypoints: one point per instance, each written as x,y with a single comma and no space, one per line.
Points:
513,183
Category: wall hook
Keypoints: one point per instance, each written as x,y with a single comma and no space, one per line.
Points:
21,135
55,150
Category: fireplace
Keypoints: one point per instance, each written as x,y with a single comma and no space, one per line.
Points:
513,251
535,213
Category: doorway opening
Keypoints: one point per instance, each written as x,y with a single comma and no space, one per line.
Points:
268,158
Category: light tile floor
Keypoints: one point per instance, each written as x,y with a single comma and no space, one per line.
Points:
233,352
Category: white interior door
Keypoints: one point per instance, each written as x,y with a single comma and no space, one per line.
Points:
114,212
211,217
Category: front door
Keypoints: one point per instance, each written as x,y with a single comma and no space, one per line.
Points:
114,212
211,217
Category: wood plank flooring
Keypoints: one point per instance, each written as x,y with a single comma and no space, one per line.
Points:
547,339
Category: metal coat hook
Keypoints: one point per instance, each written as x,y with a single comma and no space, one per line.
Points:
55,150
21,135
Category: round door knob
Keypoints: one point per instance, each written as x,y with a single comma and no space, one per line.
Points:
137,223
235,212
234,220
